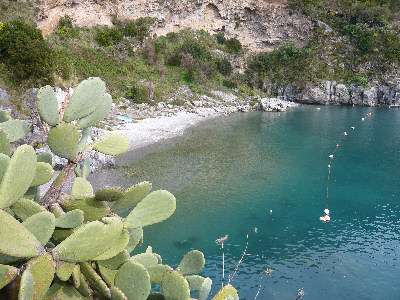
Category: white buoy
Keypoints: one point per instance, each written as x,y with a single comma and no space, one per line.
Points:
331,156
326,211
270,211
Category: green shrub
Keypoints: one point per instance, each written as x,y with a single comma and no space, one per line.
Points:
25,53
230,84
138,28
138,93
65,27
106,36
195,49
221,38
174,60
233,45
224,66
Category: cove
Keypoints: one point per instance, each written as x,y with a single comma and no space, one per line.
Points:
229,173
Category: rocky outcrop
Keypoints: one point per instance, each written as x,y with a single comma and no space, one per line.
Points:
259,25
333,93
274,104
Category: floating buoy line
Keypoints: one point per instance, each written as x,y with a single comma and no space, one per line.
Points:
326,218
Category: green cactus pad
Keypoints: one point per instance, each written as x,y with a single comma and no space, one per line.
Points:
64,270
33,193
63,140
85,99
44,173
15,239
78,171
132,196
68,292
133,280
155,296
76,276
81,186
117,294
118,246
45,157
82,145
99,114
7,274
136,239
6,259
195,281
95,281
15,129
157,272
145,259
93,210
84,288
25,208
4,143
42,269
205,289
89,241
62,234
4,161
115,262
4,116
109,194
26,286
41,225
112,144
71,219
53,290
47,105
225,292
193,262
155,207
175,286
86,167
18,176
108,275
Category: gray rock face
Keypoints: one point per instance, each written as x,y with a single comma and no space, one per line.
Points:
332,93
274,104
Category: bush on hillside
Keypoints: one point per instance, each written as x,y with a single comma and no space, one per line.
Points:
138,28
137,93
106,36
221,38
224,66
233,45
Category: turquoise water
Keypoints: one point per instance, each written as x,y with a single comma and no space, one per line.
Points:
228,175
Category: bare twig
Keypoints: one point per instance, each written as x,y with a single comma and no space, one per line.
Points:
221,241
268,272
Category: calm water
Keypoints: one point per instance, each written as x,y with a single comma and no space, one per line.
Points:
230,173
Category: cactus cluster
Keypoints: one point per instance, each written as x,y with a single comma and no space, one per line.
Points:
77,246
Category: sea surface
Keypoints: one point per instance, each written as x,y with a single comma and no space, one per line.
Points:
269,171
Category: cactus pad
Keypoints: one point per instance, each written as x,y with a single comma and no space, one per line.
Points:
86,167
42,270
4,116
15,129
4,161
115,262
53,290
108,275
157,272
64,271
44,173
89,241
84,288
99,114
145,259
81,186
175,286
41,225
118,246
156,296
95,281
133,196
82,145
33,193
47,105
85,99
112,144
26,286
25,208
44,157
155,207
226,291
76,276
193,262
7,274
18,176
62,234
136,237
15,239
205,289
4,143
117,294
63,140
133,280
195,281
109,194
71,219
93,210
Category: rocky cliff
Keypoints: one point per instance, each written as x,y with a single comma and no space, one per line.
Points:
259,25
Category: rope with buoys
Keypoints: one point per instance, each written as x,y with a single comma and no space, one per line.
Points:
326,218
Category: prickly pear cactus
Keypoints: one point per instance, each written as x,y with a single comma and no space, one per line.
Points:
75,246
